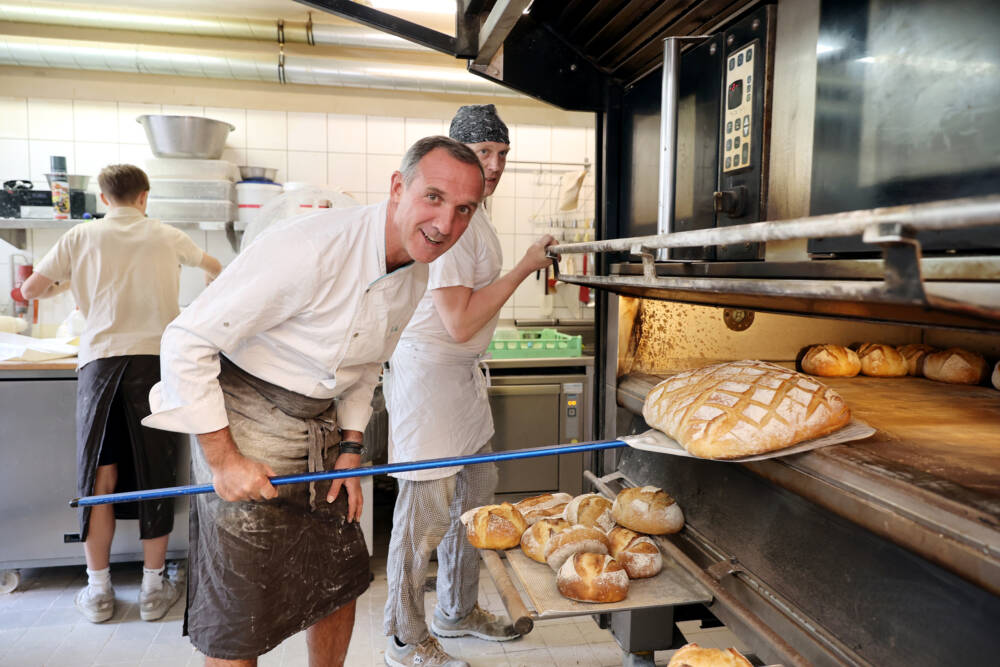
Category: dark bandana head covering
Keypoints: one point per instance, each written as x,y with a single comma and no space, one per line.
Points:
478,122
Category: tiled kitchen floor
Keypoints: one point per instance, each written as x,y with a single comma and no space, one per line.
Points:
39,626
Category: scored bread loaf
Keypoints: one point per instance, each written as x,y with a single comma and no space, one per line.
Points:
831,361
647,509
741,408
592,577
535,539
638,554
881,361
914,354
692,655
590,509
572,540
494,526
545,506
955,365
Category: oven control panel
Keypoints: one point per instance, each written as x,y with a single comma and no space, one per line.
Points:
738,101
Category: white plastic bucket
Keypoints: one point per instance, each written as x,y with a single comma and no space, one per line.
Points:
251,196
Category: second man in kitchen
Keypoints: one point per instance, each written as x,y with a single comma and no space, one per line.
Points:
436,397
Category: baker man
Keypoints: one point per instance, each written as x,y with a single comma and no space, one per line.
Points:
436,398
274,367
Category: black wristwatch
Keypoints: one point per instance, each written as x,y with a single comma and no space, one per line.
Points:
351,447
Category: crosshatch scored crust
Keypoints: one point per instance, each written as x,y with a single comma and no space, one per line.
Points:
743,408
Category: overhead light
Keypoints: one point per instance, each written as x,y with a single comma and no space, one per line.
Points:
427,6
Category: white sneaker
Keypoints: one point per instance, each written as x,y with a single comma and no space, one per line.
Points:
154,606
95,607
427,653
478,623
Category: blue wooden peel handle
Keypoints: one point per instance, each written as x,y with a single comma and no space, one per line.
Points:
194,489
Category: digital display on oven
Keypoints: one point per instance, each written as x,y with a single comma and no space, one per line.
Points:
735,93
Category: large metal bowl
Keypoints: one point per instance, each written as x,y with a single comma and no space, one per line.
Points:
185,136
76,181
267,173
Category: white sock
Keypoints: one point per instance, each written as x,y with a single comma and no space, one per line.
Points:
99,580
152,580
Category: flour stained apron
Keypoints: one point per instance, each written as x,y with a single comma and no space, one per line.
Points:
262,571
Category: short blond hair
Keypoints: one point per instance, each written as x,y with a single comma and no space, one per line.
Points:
123,182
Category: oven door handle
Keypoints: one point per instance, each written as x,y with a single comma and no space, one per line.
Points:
526,390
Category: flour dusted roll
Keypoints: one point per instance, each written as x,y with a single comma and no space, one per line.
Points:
494,526
591,509
647,509
638,554
535,539
592,577
996,376
575,539
914,354
956,366
545,506
881,361
741,408
692,655
831,361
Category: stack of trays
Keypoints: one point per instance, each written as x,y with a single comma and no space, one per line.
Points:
187,190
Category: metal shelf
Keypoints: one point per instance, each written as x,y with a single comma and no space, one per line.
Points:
31,223
902,287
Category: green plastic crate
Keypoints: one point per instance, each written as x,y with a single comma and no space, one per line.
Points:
534,344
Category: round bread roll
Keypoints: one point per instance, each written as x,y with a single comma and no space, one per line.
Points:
996,376
592,577
881,361
590,509
647,509
573,540
914,354
535,540
692,655
831,361
545,506
494,526
955,365
638,554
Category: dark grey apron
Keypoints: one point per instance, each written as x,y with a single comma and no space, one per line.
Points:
112,398
260,572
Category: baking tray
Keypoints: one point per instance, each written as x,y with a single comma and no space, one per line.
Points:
655,441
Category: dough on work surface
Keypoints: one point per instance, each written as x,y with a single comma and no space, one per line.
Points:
535,540
590,509
545,506
494,526
692,655
956,366
592,577
881,361
742,408
638,554
831,361
647,509
914,354
572,540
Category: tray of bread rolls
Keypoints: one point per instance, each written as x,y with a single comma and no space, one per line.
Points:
588,554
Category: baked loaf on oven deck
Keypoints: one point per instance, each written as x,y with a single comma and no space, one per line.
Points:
545,506
914,354
535,540
573,540
833,361
590,509
692,655
592,577
638,554
647,509
881,361
494,526
956,366
742,408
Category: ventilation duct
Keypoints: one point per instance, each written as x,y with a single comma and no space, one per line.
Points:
206,26
248,66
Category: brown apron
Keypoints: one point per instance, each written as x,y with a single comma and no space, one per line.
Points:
260,572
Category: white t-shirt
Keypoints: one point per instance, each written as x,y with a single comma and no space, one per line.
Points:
124,271
474,261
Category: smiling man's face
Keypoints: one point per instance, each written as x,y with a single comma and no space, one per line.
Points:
430,213
493,156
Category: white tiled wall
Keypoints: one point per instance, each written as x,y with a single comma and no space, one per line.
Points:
357,153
